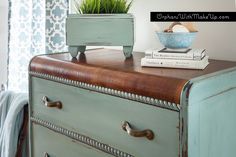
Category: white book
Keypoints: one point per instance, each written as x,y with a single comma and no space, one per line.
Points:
173,63
191,54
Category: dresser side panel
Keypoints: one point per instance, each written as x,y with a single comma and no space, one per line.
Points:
211,115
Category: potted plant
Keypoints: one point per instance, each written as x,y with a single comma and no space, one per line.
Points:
100,23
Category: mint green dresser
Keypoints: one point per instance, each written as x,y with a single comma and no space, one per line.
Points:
103,105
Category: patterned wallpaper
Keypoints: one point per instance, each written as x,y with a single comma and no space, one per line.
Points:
56,12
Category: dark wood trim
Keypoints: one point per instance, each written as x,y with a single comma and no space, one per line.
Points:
109,69
23,133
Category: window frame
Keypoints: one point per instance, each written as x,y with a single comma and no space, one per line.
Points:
3,42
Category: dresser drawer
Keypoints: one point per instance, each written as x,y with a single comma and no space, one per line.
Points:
45,141
100,117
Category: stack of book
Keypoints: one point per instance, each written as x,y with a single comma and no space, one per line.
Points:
175,58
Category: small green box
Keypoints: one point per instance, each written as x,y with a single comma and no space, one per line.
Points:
99,30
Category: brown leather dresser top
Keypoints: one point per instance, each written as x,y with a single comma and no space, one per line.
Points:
109,68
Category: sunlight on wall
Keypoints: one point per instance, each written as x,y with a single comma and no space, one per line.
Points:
218,38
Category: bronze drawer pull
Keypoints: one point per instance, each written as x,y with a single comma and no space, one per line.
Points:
56,104
136,133
46,154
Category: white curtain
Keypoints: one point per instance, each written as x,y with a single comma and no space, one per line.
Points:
35,27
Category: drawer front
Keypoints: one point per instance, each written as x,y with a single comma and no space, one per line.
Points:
100,117
45,141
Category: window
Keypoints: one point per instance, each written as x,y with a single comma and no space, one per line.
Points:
3,41
35,27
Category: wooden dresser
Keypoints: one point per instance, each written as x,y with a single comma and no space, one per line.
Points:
103,105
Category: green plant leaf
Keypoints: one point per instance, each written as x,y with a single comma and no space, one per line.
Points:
102,6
